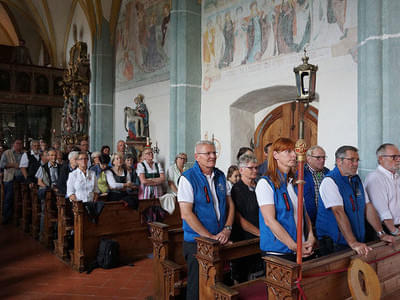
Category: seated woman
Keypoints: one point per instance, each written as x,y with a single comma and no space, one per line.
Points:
175,171
246,218
277,199
151,175
118,179
130,167
95,163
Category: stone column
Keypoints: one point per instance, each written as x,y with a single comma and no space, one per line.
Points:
101,90
185,76
378,74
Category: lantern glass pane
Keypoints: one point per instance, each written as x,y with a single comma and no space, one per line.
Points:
298,84
305,78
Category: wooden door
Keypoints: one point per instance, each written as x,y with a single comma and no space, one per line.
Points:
283,121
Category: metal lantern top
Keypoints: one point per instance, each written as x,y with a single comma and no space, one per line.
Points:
305,79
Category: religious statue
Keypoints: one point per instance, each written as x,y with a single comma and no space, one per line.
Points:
137,119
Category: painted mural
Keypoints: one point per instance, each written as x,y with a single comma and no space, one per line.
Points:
243,32
142,43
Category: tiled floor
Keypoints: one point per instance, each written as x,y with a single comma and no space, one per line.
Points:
30,271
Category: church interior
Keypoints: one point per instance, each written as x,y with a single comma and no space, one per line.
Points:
163,75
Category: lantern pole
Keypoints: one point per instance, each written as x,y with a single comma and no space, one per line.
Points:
305,95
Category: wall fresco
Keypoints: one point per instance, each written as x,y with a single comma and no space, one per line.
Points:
141,43
242,32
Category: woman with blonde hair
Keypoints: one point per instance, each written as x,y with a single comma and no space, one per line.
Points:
277,199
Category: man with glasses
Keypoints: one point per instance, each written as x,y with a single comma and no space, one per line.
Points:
344,206
314,172
383,187
206,208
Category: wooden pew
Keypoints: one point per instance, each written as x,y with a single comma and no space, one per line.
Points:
116,222
50,219
17,212
212,256
36,209
64,226
170,268
281,275
1,199
168,261
26,220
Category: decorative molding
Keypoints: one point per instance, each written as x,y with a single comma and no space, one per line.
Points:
50,24
115,8
68,30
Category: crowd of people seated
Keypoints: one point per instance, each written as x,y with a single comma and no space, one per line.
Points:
340,211
87,176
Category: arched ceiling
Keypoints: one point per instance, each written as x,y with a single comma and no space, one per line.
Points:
257,100
53,20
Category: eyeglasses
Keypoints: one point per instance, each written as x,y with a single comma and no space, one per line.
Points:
394,156
319,157
208,153
353,160
148,153
83,158
184,158
252,168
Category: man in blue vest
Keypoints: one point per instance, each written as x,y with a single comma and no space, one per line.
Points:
343,207
206,208
314,172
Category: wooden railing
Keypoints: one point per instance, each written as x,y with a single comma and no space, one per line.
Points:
31,85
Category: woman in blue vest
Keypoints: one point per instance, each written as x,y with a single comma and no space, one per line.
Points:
277,199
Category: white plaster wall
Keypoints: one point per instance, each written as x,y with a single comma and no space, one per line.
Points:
336,85
157,98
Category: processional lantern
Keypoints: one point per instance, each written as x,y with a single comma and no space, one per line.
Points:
306,76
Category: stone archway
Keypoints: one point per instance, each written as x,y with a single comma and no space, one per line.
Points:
244,110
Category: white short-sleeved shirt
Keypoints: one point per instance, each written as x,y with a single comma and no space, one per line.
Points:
383,189
24,163
265,195
140,168
330,194
185,192
82,185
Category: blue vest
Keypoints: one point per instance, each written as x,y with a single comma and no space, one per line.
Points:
354,207
309,194
203,206
284,214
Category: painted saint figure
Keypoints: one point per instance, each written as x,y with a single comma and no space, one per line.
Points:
228,32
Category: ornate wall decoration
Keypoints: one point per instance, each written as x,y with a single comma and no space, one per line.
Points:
75,84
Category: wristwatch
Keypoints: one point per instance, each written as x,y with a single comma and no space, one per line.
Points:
395,232
229,227
380,233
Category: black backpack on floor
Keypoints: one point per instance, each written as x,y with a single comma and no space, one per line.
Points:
107,255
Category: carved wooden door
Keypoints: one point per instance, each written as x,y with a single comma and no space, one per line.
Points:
283,121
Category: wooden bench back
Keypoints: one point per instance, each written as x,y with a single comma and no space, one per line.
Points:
168,260
211,256
333,286
116,222
26,220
